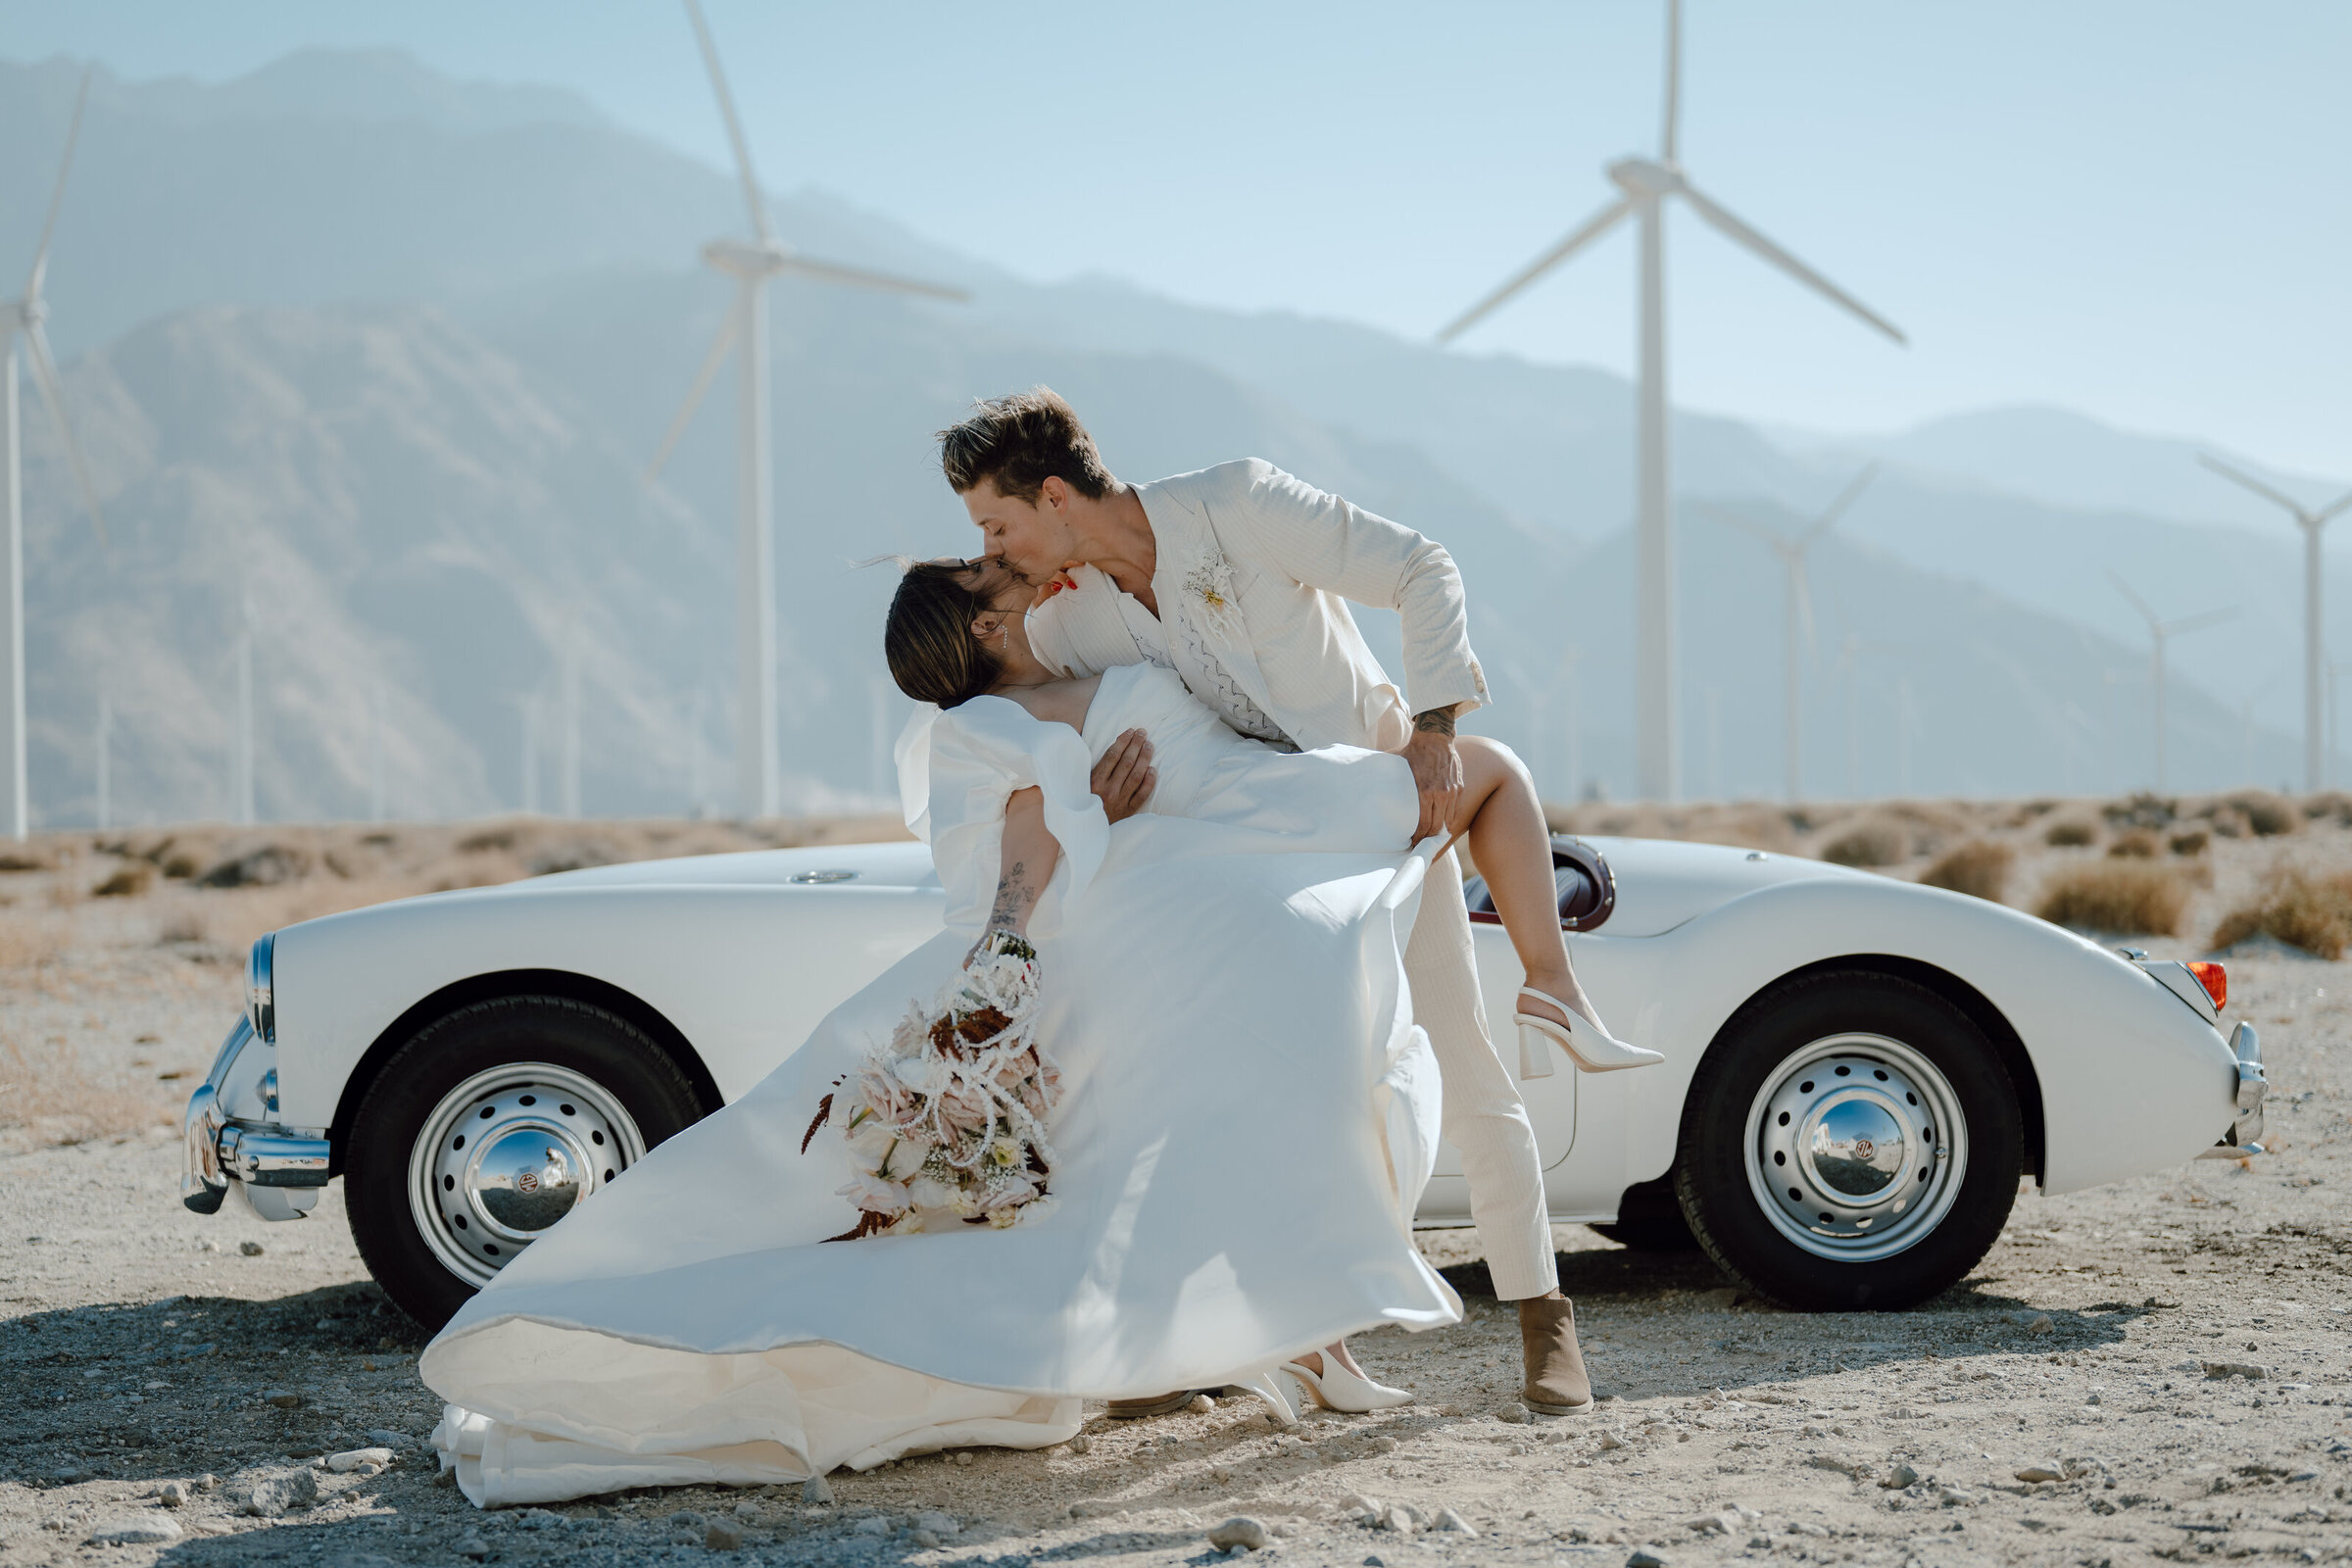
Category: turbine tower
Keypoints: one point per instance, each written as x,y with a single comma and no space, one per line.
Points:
1644,186
2315,638
1798,607
21,318
2160,632
745,334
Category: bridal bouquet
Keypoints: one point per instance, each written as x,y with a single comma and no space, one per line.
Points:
949,1117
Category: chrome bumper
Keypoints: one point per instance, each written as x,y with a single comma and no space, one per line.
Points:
2245,1132
219,1149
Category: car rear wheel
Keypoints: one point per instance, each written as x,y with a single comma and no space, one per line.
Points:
1852,1142
490,1125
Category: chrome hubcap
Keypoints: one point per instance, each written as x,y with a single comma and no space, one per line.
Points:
1856,1146
506,1155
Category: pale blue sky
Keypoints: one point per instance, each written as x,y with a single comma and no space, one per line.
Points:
2137,209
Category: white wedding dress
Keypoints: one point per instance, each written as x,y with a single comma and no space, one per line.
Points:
1248,1117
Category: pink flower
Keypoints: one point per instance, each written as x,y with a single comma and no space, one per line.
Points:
876,1195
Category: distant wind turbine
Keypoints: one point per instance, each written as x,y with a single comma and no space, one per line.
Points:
1646,185
2160,632
745,334
2315,632
1797,611
240,745
23,318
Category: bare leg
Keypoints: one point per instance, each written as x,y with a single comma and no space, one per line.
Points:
1503,821
1313,1359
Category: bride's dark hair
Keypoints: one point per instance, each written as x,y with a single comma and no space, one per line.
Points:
928,638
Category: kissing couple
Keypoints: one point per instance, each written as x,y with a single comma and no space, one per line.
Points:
1151,1114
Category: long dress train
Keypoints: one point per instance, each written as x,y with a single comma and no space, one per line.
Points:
1248,1117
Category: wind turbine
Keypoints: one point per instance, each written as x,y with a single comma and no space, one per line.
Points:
2160,632
1798,607
21,318
2315,639
1645,185
745,334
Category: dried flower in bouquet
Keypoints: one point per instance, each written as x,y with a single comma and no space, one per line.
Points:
947,1118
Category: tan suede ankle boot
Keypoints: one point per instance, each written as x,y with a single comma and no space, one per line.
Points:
1556,1384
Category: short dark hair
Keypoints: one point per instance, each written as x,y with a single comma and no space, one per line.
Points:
1020,441
928,638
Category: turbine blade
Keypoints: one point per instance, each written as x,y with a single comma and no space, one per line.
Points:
864,278
2137,603
1734,519
726,110
57,193
2198,623
44,375
2267,492
1591,229
2332,508
1738,230
1846,498
728,330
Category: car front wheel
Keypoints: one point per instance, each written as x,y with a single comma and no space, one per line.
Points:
1853,1143
490,1125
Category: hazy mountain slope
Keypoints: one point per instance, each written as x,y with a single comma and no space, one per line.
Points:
2067,459
398,503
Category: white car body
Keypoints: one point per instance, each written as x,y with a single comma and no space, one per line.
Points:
2121,1067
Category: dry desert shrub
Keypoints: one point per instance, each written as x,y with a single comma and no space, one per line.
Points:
2070,833
2134,844
2298,909
2127,896
127,882
2141,810
1867,845
1750,827
1979,868
2192,841
2265,816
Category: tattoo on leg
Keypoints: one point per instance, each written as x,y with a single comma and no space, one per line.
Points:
1436,722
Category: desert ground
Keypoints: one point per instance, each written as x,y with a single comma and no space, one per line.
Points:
2159,1368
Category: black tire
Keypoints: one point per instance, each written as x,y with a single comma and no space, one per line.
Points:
588,1039
1712,1173
1649,1219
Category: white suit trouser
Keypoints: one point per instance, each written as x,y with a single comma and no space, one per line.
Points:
1484,1118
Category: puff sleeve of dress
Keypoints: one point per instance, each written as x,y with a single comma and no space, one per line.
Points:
981,751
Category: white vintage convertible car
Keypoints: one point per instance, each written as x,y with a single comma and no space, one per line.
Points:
1859,1072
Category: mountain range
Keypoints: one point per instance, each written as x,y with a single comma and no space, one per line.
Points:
382,354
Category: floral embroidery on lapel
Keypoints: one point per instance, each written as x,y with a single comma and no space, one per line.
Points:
1209,590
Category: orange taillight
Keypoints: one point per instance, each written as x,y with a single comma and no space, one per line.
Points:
2216,981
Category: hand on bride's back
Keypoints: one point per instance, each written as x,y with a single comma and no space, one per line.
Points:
1124,778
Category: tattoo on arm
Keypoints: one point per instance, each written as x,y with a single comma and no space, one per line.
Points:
1014,897
1436,722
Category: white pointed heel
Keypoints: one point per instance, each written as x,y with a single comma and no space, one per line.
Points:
1587,1044
1268,1386
1336,1388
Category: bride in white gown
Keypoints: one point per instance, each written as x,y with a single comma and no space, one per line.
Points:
1247,1118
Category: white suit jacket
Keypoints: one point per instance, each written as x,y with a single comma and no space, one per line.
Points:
1259,566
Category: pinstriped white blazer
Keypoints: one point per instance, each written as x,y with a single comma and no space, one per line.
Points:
1260,566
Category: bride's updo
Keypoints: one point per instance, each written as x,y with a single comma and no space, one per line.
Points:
928,639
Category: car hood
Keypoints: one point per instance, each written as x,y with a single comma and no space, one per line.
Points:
905,864
1661,883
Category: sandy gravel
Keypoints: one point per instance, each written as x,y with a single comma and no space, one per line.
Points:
142,1345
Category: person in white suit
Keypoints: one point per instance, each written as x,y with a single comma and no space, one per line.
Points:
1237,577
